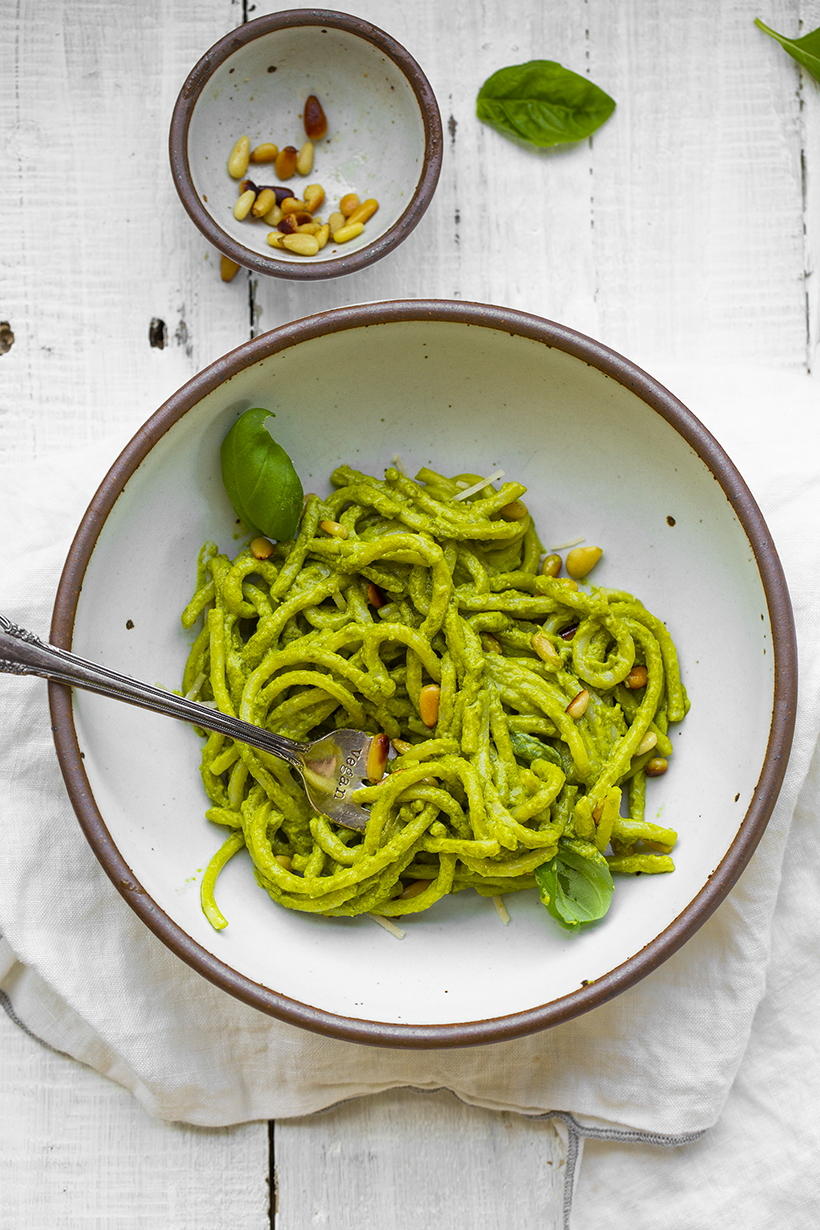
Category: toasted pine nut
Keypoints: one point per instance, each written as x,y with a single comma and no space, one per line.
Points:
304,245
582,560
276,240
322,235
286,162
284,860
265,153
273,217
414,889
304,159
314,118
248,184
377,758
348,203
545,649
374,595
401,746
637,677
429,699
656,767
308,228
577,707
346,233
647,743
336,221
364,211
239,158
291,205
566,634
243,206
489,643
314,194
334,528
228,269
515,510
597,812
567,582
261,548
551,566
264,203
287,224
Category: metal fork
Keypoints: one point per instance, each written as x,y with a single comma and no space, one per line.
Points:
331,767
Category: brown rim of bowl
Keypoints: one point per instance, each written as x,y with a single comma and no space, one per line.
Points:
783,715
192,89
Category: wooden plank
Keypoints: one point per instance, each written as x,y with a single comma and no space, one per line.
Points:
426,1159
77,1150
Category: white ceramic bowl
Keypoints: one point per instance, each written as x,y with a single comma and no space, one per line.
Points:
607,453
384,138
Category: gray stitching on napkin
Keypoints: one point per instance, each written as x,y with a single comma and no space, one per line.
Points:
8,1007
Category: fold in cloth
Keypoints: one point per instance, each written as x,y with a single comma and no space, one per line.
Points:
86,976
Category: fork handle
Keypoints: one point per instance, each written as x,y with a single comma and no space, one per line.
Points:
23,653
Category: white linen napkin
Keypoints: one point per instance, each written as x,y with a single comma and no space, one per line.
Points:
81,972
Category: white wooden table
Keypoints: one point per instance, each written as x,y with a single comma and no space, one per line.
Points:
686,229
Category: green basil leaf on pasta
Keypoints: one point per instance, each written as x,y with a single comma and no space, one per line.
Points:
805,50
260,478
542,103
575,886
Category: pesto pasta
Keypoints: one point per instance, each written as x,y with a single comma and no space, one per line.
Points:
524,712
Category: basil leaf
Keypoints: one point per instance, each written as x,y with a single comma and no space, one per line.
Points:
542,103
259,477
805,50
575,886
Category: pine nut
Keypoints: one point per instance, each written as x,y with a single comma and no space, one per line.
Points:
647,743
261,548
348,203
598,812
322,235
489,643
239,158
582,560
265,153
276,239
377,758
567,582
248,184
243,206
551,566
429,699
364,211
414,889
545,649
656,767
374,595
346,233
264,203
305,245
314,194
304,159
314,118
334,528
228,269
636,678
291,205
336,221
577,707
402,746
515,510
288,224
273,217
286,162
284,860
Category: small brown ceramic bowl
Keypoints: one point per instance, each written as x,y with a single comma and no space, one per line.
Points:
383,140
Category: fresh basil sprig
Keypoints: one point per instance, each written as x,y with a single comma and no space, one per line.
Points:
575,886
260,478
805,50
542,103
